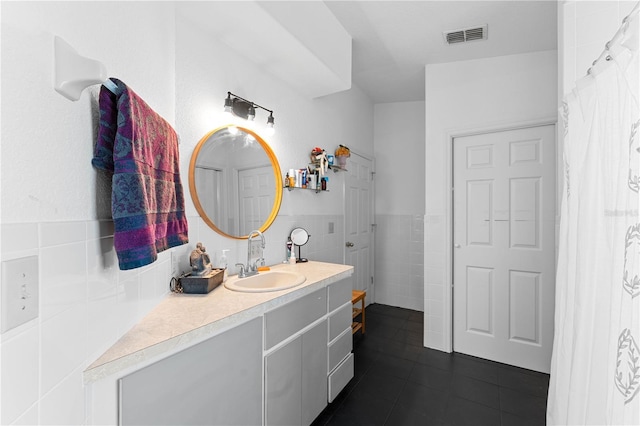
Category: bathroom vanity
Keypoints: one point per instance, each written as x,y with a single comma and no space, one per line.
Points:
229,357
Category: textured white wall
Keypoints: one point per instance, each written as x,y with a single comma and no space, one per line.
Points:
399,185
466,96
47,140
53,202
399,151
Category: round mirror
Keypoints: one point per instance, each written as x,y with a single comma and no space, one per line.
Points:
299,237
234,179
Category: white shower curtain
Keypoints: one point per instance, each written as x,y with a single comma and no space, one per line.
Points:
595,368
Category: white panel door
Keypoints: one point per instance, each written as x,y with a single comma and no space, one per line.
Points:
359,217
504,246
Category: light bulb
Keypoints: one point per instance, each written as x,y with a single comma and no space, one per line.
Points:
228,105
270,129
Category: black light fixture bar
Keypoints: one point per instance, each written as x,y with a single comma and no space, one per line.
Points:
248,103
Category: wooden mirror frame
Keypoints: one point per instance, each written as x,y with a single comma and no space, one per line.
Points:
276,173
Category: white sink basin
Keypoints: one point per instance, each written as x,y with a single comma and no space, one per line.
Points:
265,281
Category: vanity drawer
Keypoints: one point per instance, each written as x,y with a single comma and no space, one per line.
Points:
288,319
340,348
340,377
339,293
339,320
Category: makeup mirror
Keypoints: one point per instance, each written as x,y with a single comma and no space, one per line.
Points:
234,179
299,237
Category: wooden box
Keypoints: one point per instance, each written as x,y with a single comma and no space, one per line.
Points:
202,285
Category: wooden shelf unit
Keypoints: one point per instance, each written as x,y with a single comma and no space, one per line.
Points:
358,296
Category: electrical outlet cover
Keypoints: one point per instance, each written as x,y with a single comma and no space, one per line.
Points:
20,295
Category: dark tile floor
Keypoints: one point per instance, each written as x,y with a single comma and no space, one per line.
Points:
399,382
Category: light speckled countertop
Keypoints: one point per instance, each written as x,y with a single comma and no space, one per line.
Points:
181,320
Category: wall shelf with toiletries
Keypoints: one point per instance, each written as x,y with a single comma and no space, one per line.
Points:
313,176
309,179
290,188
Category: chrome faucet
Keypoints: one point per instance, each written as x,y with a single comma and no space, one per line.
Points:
252,266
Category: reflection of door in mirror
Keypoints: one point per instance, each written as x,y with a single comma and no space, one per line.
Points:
209,181
255,197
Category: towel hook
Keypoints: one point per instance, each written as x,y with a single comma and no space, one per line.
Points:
73,72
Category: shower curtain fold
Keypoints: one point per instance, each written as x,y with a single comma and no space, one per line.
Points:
595,368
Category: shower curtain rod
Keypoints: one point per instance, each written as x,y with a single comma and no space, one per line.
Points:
617,36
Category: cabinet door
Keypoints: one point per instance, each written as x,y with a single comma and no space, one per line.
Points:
216,382
314,372
283,384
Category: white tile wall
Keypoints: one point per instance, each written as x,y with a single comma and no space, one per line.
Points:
399,261
20,373
434,280
65,403
86,304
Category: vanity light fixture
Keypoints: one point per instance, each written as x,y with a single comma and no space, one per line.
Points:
228,104
246,109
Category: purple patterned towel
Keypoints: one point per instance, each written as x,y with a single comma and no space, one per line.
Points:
147,201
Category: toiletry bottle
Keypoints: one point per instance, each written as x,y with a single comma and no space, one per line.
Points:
292,179
288,251
298,179
224,263
286,181
292,258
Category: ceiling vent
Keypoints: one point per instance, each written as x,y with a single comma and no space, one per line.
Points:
467,34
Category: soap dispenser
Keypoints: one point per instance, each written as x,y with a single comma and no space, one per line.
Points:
224,263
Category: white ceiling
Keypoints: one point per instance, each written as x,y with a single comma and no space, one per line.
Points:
393,40
386,44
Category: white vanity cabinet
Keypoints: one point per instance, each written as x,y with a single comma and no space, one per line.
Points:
340,365
308,358
268,358
215,382
296,360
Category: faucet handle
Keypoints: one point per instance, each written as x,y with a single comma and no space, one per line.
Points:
241,274
260,260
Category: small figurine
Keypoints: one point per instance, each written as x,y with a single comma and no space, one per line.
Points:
200,261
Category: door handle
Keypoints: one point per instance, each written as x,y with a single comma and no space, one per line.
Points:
349,244
457,246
